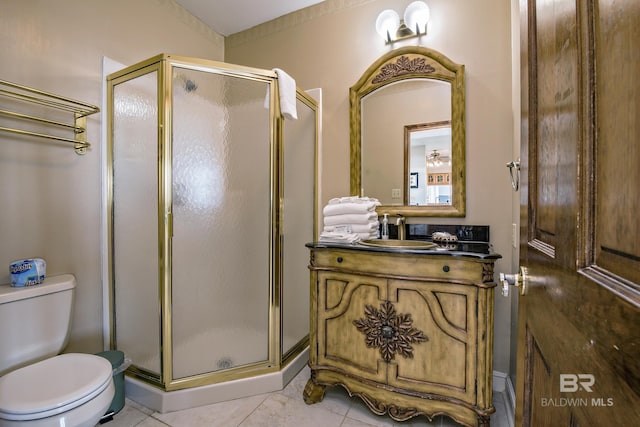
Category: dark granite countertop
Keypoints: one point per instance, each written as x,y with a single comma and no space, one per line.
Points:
470,249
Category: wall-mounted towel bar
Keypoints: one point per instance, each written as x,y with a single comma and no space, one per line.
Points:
26,94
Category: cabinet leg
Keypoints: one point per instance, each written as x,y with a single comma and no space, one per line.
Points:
484,421
313,393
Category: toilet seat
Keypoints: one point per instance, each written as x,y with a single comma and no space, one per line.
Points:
53,386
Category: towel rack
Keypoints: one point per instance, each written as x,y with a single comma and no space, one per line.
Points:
79,109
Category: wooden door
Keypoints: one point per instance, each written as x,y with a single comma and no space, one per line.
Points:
579,322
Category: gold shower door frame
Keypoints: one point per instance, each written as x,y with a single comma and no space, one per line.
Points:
277,356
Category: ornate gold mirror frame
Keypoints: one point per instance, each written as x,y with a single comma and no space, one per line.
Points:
413,63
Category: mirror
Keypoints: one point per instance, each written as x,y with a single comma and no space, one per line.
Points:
407,104
427,164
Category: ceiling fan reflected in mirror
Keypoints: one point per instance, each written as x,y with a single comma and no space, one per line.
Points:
435,159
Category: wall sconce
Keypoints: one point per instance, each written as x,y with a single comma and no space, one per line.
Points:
414,24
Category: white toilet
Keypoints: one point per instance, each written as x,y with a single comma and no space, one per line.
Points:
38,387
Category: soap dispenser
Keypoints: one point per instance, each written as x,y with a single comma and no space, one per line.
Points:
385,227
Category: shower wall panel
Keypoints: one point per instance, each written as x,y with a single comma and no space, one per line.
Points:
135,220
298,222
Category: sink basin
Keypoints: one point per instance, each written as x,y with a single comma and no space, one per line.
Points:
399,244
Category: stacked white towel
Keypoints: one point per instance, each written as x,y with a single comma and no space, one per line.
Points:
350,219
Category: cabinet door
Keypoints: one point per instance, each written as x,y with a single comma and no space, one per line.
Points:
342,299
446,364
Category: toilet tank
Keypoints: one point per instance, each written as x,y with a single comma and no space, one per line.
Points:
35,321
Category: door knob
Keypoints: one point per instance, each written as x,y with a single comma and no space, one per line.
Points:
518,280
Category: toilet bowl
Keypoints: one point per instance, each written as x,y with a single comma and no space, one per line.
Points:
66,390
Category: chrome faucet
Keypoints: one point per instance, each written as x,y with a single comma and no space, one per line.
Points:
400,222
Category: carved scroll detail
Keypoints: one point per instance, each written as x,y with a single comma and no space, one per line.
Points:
390,332
403,65
396,412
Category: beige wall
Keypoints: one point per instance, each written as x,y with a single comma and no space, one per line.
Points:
331,44
50,197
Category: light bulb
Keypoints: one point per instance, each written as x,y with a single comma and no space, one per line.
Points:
387,23
416,16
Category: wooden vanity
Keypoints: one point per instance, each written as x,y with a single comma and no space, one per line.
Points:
409,331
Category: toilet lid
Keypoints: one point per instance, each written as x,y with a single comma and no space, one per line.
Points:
53,386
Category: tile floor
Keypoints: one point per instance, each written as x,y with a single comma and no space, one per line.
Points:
285,409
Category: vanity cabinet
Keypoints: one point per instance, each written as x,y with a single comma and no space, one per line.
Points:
409,332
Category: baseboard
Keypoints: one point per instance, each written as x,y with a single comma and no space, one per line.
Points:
502,384
499,381
510,396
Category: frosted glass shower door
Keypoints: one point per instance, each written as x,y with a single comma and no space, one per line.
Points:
221,186
135,220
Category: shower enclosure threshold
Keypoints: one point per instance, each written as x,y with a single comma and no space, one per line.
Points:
163,401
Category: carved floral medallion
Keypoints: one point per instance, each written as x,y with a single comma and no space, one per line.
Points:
390,332
487,272
403,65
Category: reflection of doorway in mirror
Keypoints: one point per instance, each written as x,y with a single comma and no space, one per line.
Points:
430,155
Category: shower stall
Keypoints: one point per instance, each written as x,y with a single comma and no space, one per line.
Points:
211,197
